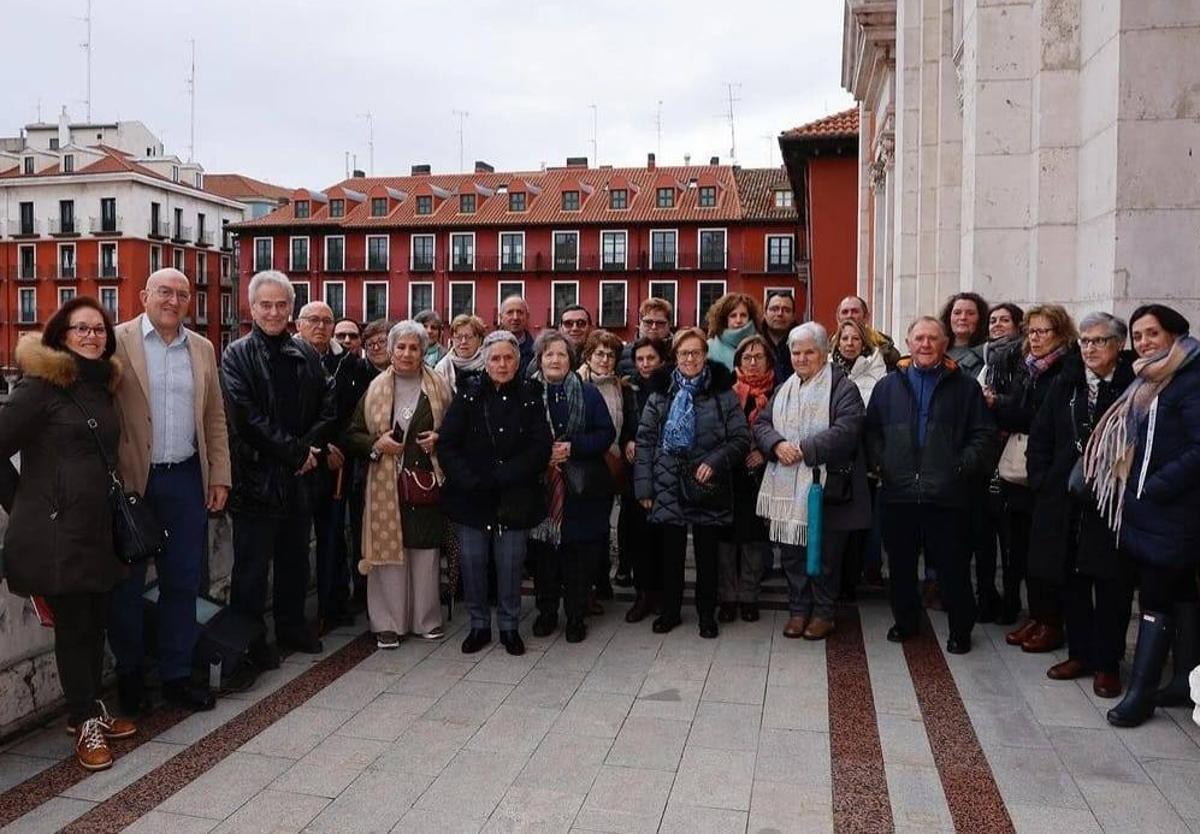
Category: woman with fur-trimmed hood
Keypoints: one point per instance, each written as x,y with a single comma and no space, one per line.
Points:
59,542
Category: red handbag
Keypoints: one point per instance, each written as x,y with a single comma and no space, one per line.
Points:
417,488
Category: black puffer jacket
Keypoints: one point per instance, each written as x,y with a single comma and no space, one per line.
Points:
495,444
264,453
722,440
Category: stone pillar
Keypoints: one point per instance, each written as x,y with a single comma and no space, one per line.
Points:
904,296
949,162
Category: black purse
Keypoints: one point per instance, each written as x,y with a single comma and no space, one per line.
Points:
138,535
714,494
587,479
839,485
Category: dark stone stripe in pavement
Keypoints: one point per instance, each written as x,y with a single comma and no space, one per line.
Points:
860,791
128,805
971,793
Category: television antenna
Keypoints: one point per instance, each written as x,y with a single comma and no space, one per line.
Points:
595,121
461,114
658,129
192,96
370,143
87,47
732,100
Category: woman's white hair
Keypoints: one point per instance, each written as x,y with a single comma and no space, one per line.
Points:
1115,327
810,331
270,276
498,337
408,329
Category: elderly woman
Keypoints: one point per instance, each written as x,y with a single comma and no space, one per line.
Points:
59,541
465,358
1022,378
568,545
1073,543
1143,459
745,552
396,426
601,352
434,350
814,421
375,345
852,352
494,447
690,438
731,318
965,317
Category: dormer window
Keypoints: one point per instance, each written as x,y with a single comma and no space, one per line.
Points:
618,198
466,204
337,208
783,198
666,198
570,201
174,173
199,180
708,196
379,207
425,205
302,209
69,163
516,201
27,165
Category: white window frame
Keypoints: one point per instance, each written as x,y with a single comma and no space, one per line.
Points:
201,276
292,252
63,247
307,293
501,295
21,248
450,265
65,294
675,259
23,292
767,248
387,298
179,259
500,251
700,314
554,250
100,244
387,252
625,234
450,297
115,311
674,299
227,266
790,201
325,285
412,251
155,247
624,285
257,266
554,314
432,296
227,301
201,306
724,249
328,238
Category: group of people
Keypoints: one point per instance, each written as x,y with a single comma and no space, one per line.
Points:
1013,437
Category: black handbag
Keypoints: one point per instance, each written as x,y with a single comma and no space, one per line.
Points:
138,535
587,479
714,494
839,485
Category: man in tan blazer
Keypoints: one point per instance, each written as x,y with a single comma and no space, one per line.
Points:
175,451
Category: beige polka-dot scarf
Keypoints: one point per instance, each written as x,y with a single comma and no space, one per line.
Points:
383,539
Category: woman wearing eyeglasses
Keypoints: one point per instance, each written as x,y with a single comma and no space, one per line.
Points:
59,541
465,358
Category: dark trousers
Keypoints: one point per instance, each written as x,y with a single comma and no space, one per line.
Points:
1045,600
1097,614
564,571
508,550
79,650
641,541
673,552
332,558
176,495
1016,536
982,539
260,544
814,596
356,499
1162,588
942,533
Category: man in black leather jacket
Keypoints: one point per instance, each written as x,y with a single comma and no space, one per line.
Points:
282,411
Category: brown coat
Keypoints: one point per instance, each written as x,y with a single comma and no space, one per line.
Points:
133,403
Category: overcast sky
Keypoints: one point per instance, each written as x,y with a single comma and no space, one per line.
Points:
283,86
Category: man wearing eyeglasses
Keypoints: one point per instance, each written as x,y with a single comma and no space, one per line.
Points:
575,322
654,323
175,451
347,334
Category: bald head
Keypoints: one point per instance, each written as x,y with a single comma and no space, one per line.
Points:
315,324
514,315
166,300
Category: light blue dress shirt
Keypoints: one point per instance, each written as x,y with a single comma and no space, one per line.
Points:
172,396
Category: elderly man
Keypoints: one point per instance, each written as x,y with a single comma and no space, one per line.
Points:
333,479
514,317
175,451
854,307
654,323
282,409
929,433
575,322
348,334
778,322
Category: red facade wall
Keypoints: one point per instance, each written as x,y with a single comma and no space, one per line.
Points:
833,208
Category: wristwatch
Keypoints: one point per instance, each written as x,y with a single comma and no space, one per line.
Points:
375,456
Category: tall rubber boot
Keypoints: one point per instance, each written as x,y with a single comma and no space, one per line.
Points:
1154,637
1185,656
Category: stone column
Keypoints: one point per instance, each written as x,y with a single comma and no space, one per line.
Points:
904,296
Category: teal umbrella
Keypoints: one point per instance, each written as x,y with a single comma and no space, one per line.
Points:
816,499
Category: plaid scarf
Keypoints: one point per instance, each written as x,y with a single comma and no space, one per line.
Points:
1039,365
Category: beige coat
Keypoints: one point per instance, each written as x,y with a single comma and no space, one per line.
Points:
133,403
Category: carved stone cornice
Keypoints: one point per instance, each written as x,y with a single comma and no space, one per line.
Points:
868,45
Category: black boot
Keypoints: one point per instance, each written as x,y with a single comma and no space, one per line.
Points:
1185,656
131,694
1154,636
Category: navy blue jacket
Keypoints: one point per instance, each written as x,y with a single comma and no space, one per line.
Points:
585,519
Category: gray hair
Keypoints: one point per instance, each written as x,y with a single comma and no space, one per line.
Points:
497,337
270,276
515,299
544,340
427,316
1115,326
408,329
809,331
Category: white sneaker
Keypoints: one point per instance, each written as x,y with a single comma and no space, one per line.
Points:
436,633
387,640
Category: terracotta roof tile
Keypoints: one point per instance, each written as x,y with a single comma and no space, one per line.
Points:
757,187
236,186
836,125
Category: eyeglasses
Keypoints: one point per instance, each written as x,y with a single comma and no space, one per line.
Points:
166,294
655,322
463,337
1086,342
376,344
574,323
754,357
319,321
83,330
603,353
1039,331
689,354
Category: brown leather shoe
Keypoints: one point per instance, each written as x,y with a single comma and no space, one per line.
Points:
110,725
1107,685
91,747
1045,638
1068,670
795,627
1021,633
818,629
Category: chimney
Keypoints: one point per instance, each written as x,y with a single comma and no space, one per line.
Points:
687,159
482,167
650,161
577,162
716,160
422,170
64,129
359,173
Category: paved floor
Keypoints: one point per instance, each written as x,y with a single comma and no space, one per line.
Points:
630,731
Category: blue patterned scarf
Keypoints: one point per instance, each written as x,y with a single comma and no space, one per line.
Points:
680,431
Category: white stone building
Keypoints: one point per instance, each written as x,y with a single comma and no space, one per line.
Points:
1029,150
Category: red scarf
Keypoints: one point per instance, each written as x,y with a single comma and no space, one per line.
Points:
758,386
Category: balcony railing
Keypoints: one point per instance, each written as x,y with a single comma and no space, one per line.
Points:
183,234
377,264
205,238
421,264
26,272
300,265
105,225
109,272
66,272
63,226
160,229
31,228
462,264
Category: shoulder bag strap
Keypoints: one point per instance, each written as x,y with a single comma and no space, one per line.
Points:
94,427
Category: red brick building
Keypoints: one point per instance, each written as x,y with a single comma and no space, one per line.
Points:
388,247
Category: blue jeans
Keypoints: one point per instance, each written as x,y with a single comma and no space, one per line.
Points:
508,549
177,497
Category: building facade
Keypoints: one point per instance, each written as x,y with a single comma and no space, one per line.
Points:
606,238
1029,150
259,198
